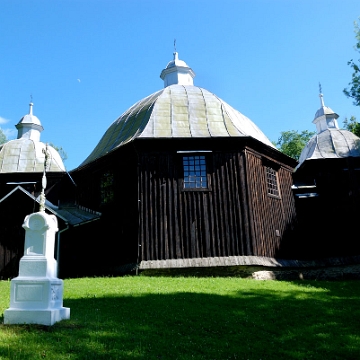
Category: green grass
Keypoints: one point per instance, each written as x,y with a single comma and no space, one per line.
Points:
193,318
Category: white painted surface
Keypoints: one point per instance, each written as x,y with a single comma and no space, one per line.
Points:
29,127
329,142
26,153
177,72
36,295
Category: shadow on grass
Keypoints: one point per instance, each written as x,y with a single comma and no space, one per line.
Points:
311,322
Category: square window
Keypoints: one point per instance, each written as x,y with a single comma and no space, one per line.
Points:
195,175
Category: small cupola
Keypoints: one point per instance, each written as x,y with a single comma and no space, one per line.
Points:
325,118
177,72
29,127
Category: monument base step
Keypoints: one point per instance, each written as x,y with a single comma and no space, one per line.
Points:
42,317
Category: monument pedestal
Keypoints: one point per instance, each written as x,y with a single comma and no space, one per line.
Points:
36,295
36,301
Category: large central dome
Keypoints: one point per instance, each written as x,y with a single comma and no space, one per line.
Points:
177,111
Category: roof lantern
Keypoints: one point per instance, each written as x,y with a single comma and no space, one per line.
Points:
29,127
330,142
26,153
325,118
177,72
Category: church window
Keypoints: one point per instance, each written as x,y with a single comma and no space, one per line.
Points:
195,174
272,183
107,188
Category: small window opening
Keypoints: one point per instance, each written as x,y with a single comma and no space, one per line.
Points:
195,175
272,183
107,188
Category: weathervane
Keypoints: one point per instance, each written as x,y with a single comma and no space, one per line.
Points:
44,182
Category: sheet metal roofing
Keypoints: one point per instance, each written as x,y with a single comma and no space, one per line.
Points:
72,215
324,110
25,155
30,118
331,143
77,216
177,111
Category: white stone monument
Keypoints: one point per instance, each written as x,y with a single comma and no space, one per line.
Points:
36,295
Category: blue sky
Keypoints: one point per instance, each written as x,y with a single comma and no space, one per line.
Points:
87,61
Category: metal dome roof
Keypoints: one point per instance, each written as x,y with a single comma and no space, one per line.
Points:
30,119
26,155
177,111
176,62
331,143
325,110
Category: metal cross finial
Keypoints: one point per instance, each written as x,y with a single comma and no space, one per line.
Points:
174,45
44,182
321,96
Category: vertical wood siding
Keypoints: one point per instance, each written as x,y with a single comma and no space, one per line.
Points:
268,214
11,247
235,217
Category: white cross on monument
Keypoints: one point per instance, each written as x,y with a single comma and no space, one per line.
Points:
36,295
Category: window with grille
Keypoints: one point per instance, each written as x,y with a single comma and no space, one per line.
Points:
272,183
195,174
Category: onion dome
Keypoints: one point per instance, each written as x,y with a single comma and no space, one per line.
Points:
26,153
330,141
180,110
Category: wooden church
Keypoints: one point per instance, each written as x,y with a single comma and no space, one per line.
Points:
181,179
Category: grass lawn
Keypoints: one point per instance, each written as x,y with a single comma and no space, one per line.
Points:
193,318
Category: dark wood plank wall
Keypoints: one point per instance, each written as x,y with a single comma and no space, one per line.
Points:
6,255
235,217
268,214
11,240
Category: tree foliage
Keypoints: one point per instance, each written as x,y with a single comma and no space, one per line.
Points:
3,138
60,150
352,125
292,142
354,90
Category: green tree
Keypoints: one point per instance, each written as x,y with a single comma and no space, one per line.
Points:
352,125
354,90
60,150
292,142
3,138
